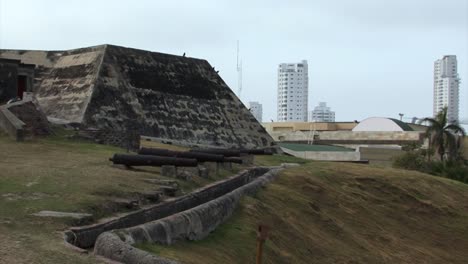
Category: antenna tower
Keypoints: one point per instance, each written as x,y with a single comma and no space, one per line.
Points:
239,73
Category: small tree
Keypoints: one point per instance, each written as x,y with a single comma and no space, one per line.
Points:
444,137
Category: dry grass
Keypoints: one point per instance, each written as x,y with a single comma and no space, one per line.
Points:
342,213
320,212
61,175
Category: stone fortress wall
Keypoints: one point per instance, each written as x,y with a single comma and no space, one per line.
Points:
159,95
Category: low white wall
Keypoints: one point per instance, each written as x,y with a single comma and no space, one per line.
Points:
325,155
370,135
348,135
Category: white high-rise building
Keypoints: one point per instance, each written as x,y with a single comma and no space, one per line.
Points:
293,86
446,87
322,113
256,109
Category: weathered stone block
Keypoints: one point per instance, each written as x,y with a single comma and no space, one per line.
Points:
212,167
184,175
203,172
247,159
168,190
226,165
169,171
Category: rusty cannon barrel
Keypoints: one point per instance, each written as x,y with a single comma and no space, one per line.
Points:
150,160
233,160
224,152
199,156
265,151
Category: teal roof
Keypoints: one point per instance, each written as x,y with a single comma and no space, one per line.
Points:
307,147
402,124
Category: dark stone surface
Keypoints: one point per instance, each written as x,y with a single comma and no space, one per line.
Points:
36,123
8,77
159,95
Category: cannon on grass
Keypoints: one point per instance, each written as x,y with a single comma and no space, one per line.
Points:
265,151
224,152
199,156
150,160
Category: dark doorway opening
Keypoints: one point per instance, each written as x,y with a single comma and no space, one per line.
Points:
21,86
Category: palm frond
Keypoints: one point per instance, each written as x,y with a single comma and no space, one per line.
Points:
456,129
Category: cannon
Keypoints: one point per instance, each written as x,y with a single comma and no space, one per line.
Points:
265,151
199,156
224,152
150,160
233,160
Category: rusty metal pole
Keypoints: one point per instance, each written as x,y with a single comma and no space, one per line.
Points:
259,250
262,235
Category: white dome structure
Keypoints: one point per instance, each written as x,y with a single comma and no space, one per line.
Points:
382,124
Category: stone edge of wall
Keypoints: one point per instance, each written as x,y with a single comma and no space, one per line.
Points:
85,236
325,155
349,136
192,224
12,125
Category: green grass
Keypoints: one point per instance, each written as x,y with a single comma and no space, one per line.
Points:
63,175
319,212
275,160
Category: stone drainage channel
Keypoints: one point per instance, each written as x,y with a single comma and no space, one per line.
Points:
189,217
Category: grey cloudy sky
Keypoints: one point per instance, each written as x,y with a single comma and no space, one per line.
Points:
366,57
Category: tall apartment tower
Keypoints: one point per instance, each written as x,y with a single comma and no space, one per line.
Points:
293,87
256,109
322,113
446,87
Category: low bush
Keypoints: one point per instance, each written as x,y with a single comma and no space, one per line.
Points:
417,160
411,160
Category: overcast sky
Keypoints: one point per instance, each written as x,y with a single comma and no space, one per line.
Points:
366,57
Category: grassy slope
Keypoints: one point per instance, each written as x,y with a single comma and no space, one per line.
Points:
56,174
322,212
342,213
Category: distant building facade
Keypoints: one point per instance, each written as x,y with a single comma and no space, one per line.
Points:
446,87
256,109
293,87
322,113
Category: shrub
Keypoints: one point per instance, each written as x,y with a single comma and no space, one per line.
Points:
416,160
410,160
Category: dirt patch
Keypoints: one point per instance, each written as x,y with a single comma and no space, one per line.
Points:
27,196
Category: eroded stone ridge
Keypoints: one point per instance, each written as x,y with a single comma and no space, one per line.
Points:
156,94
192,224
85,237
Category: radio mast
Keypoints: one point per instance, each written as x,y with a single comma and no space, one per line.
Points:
239,73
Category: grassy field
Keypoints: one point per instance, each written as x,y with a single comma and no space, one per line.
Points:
342,213
320,212
61,175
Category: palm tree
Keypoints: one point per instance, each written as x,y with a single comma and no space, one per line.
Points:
444,136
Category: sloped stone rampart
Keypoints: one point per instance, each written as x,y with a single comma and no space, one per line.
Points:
114,88
193,224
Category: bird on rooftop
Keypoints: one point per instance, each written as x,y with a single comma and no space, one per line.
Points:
183,55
